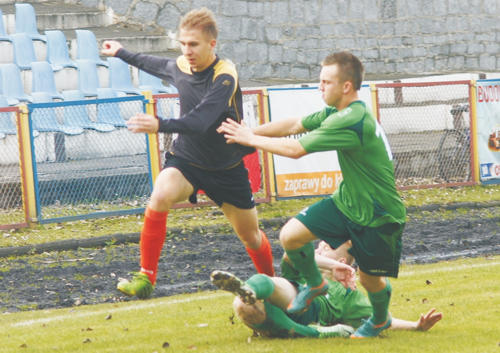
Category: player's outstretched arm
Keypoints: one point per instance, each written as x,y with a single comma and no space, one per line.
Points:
425,323
280,128
240,133
110,47
143,123
337,270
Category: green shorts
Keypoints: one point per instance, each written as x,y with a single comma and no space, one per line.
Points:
377,250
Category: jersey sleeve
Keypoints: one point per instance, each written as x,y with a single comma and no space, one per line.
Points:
333,130
155,65
207,112
314,120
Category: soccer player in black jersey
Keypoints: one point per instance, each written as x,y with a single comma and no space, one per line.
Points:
199,158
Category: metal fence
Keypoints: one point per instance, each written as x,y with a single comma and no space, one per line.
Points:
428,128
12,210
86,163
76,159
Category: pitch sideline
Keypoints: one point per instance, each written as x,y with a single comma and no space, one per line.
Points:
136,306
448,268
139,306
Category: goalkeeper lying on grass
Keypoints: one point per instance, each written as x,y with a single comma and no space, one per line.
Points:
261,301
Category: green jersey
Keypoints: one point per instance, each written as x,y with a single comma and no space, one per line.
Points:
338,306
367,194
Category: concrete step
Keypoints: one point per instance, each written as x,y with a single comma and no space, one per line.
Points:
132,38
58,15
54,14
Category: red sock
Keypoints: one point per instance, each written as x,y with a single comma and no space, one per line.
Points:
262,257
153,236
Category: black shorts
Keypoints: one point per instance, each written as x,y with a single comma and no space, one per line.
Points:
228,185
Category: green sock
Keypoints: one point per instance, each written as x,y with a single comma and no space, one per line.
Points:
278,324
262,285
380,303
303,260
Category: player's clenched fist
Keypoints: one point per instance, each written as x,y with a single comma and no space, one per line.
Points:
143,123
110,47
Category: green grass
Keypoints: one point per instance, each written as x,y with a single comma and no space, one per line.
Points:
466,291
205,216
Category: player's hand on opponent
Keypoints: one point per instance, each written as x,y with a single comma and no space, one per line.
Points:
110,47
345,274
143,123
235,132
337,271
428,320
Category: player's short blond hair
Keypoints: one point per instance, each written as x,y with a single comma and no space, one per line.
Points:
202,19
350,67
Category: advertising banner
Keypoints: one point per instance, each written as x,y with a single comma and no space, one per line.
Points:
488,130
314,174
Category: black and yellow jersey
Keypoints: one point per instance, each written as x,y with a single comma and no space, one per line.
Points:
207,98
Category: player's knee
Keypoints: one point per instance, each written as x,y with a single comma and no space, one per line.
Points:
159,201
250,314
287,236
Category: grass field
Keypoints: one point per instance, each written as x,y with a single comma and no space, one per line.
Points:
206,216
466,291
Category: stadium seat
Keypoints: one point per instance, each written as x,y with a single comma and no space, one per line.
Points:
57,50
7,126
77,114
45,119
109,112
43,79
12,85
119,76
86,47
6,47
24,51
3,34
26,21
88,79
148,82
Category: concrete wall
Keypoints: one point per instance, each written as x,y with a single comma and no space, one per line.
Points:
286,39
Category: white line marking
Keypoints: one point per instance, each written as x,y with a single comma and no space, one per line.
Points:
145,305
448,268
133,306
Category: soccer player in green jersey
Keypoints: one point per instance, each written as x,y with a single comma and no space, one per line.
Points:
261,301
366,207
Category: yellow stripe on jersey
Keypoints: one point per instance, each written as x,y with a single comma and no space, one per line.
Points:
226,67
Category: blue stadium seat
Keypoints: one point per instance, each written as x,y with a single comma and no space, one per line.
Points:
148,82
3,34
86,47
24,51
109,113
26,21
43,79
45,119
77,115
119,76
11,84
7,126
57,50
88,79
